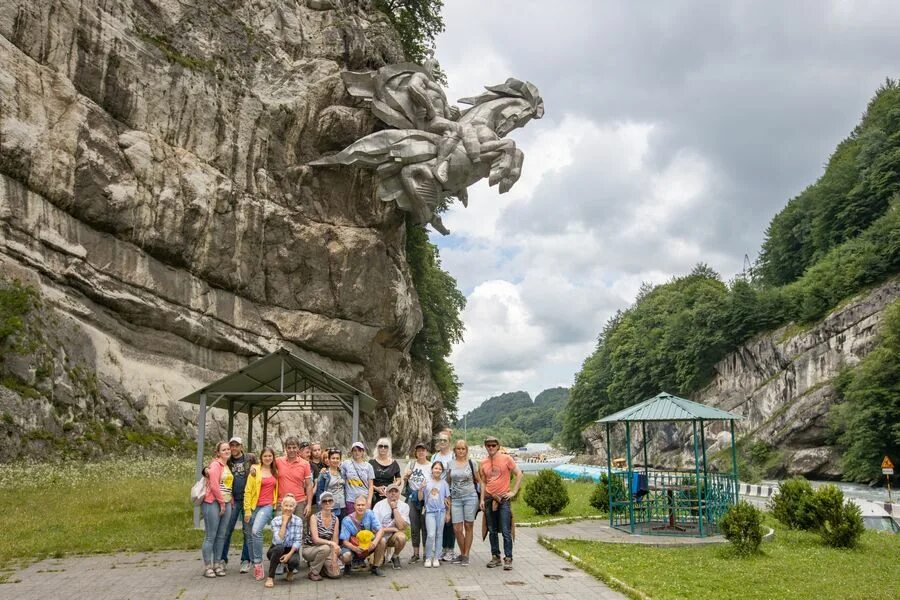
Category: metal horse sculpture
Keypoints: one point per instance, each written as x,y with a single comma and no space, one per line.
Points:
436,151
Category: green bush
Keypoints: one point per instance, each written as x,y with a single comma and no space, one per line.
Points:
547,493
742,526
839,521
791,504
600,496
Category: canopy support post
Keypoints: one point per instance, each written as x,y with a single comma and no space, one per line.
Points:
734,469
644,437
201,435
230,418
265,421
355,418
249,428
705,494
609,483
630,475
697,479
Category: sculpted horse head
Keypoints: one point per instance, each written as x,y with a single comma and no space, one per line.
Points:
504,107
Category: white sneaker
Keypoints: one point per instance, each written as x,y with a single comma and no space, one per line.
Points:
426,563
245,566
435,563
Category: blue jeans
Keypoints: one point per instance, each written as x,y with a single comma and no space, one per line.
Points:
434,525
258,521
215,525
237,513
499,520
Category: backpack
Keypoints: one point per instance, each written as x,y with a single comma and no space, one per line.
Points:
198,491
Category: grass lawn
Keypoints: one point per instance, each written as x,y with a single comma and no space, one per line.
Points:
795,565
125,504
579,505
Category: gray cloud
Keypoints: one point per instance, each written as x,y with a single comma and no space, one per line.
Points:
750,96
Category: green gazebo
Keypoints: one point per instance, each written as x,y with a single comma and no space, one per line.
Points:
669,501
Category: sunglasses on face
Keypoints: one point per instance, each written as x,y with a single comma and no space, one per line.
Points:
383,446
327,502
490,445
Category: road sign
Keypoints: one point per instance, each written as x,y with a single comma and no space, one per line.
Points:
887,471
886,463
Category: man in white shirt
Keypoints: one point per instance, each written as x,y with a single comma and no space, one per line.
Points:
393,514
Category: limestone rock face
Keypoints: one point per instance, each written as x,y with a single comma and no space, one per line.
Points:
153,187
780,382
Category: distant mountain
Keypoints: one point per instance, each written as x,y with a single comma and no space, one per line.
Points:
517,419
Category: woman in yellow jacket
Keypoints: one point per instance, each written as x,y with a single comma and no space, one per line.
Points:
259,505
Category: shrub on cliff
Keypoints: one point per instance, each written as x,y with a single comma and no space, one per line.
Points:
742,526
547,493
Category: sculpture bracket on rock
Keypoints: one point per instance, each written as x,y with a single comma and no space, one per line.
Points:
435,151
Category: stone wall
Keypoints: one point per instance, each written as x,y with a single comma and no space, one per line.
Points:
153,187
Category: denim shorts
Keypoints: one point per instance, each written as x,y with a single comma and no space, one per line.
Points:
464,509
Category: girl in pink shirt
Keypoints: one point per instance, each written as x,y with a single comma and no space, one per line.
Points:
217,506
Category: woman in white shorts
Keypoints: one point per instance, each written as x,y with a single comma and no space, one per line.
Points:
464,479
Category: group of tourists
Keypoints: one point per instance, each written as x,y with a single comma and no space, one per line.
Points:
342,515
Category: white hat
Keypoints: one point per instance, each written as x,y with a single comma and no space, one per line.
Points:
236,439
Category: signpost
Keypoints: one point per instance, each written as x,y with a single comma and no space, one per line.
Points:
887,469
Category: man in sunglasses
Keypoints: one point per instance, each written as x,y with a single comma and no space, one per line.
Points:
497,470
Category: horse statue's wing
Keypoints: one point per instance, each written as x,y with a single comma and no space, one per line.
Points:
404,146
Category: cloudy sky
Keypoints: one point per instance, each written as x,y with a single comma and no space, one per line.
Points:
673,133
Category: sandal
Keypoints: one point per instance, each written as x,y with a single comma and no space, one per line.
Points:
269,582
209,573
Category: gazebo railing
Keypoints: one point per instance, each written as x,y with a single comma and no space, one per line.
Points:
670,502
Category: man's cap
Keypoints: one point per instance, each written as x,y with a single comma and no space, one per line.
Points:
304,444
393,486
421,445
491,438
326,496
236,440
359,445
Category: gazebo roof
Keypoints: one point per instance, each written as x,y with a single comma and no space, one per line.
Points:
282,378
666,407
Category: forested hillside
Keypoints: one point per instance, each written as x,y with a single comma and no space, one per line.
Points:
516,419
837,238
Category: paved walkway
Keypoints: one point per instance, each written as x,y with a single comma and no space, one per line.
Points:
538,574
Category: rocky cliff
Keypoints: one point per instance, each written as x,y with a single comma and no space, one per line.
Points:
781,384
153,187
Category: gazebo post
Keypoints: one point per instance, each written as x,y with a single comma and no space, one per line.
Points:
265,421
201,435
249,428
630,475
697,477
609,486
644,437
230,418
734,469
705,473
355,418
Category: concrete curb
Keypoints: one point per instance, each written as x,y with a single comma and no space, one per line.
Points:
562,520
612,582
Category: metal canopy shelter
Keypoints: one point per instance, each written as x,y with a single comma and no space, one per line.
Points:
276,383
668,501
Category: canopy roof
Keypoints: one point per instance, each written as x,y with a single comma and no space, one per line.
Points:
282,378
666,407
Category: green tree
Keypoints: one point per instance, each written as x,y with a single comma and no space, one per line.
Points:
417,22
867,421
441,303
